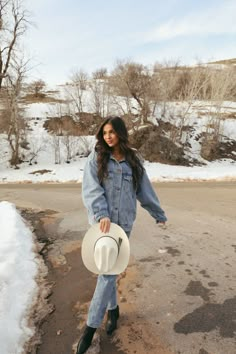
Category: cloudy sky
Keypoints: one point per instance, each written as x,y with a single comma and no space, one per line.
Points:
89,34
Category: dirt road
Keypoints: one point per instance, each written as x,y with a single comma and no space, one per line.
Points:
178,293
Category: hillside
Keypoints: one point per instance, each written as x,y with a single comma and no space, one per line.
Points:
53,156
179,118
225,61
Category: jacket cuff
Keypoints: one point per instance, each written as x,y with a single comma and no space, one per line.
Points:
101,214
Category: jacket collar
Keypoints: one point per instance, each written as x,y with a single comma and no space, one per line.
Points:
113,158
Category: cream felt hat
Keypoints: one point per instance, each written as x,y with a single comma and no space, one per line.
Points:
105,253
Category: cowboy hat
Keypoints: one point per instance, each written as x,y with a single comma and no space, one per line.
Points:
105,253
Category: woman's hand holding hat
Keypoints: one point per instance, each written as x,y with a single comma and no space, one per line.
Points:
105,224
105,253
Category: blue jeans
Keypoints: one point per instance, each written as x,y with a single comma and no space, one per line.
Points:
104,298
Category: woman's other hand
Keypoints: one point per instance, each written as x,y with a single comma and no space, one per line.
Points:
105,224
162,224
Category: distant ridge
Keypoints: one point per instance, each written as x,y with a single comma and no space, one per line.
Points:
225,61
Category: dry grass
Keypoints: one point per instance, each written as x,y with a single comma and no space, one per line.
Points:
225,61
30,98
41,172
87,124
223,116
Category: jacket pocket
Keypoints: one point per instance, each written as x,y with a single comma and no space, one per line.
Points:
128,183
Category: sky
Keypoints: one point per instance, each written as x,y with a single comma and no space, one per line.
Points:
69,35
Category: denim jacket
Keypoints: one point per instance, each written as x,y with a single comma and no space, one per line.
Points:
116,196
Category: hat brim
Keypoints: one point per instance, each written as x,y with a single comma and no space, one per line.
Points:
88,244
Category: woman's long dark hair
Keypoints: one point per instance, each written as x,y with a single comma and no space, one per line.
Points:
104,150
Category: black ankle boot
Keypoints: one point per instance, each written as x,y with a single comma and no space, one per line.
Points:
112,318
85,340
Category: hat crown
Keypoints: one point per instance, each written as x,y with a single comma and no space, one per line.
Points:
105,253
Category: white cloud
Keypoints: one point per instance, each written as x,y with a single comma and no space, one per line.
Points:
218,20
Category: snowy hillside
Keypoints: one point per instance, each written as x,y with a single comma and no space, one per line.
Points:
40,156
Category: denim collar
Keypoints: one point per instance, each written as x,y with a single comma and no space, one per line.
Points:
113,158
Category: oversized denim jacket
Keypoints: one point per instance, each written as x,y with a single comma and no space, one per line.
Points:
116,197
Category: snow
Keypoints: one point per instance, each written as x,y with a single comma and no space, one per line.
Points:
214,171
219,170
38,110
229,128
42,144
18,288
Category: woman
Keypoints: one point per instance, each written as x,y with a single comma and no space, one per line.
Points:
114,178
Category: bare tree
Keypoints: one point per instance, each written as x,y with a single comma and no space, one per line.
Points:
35,148
120,105
165,77
76,91
85,145
13,24
134,80
62,133
177,84
36,87
68,143
15,121
191,83
221,83
56,143
100,74
100,103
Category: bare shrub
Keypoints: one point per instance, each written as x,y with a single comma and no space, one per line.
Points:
86,124
36,88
